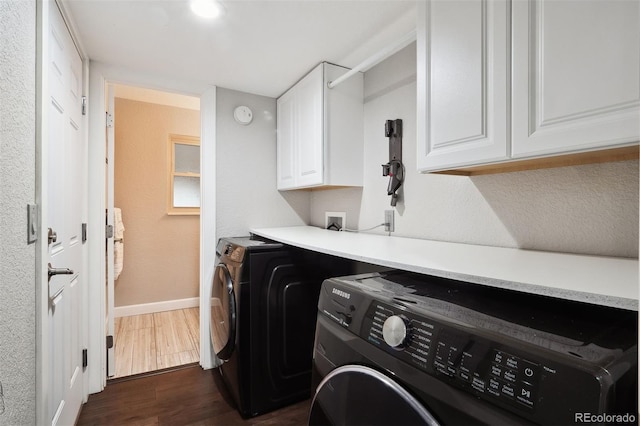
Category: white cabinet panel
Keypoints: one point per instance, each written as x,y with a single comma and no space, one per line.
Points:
286,136
462,83
320,131
310,157
576,68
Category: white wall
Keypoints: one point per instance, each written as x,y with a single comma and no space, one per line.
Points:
246,170
590,209
17,189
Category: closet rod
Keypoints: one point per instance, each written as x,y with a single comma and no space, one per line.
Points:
404,41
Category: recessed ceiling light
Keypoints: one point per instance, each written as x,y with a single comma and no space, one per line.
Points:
206,8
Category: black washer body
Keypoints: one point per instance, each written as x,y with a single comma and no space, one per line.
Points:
468,354
267,293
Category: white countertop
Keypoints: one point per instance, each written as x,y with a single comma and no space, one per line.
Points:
607,281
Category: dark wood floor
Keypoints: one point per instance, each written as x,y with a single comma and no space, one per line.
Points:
188,396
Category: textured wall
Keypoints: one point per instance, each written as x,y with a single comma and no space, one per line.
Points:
161,252
590,209
17,189
246,170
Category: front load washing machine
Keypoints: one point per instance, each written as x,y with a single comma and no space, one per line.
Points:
263,312
401,348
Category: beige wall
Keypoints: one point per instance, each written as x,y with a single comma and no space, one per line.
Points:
161,252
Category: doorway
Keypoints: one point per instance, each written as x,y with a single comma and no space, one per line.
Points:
156,244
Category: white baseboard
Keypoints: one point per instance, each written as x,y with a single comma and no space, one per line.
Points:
150,308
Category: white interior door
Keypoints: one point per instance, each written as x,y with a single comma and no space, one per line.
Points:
65,202
111,353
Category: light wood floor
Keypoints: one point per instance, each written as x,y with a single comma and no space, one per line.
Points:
152,342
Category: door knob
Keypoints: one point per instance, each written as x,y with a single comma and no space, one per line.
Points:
58,271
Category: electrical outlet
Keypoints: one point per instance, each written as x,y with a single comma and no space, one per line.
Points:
335,221
389,225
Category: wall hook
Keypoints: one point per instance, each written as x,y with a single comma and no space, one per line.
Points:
394,168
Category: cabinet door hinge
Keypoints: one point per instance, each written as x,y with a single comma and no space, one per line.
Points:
109,120
85,358
109,342
84,105
109,231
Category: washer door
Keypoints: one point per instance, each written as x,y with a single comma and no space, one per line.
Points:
223,313
358,395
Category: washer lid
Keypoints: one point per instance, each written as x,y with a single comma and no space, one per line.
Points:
358,395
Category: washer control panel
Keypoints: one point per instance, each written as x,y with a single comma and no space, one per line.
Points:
463,359
477,343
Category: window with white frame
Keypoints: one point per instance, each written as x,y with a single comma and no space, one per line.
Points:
184,174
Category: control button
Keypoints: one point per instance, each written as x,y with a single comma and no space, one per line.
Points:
509,375
494,384
512,362
394,331
498,357
526,395
496,370
508,390
464,376
494,387
528,372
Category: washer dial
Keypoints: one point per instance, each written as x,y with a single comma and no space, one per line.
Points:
394,331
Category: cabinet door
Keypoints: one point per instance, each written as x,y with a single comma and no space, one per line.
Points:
286,139
310,135
575,75
462,83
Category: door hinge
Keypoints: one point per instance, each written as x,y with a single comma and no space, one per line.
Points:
84,105
84,232
109,342
109,231
85,358
109,120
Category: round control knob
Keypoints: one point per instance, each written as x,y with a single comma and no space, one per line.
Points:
394,331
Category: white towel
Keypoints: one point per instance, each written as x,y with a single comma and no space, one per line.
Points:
118,245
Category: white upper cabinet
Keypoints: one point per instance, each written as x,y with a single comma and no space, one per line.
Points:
576,75
320,131
568,69
462,70
286,134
